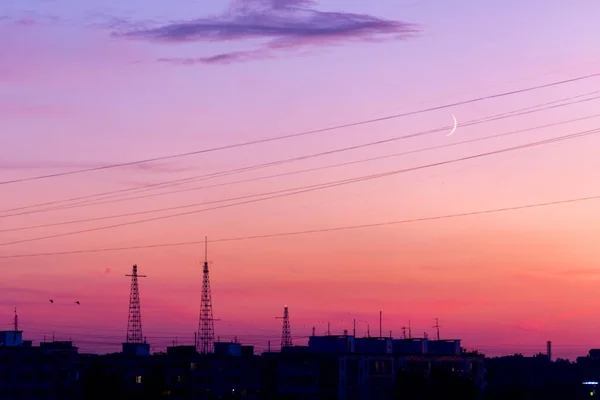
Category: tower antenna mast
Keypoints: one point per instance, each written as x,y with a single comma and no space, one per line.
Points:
437,327
134,323
286,335
206,326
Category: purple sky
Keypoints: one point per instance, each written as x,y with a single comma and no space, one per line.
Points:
86,83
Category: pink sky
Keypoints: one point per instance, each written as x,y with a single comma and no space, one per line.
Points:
73,96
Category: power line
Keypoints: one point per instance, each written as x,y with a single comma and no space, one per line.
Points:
343,228
276,175
151,211
312,231
310,189
321,130
162,185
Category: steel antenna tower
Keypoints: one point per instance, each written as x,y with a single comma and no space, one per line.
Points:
437,327
206,325
134,323
286,335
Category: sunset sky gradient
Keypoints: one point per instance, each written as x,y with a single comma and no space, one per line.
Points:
84,84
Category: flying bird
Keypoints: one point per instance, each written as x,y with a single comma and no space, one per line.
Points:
51,301
77,302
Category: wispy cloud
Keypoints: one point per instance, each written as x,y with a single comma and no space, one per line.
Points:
29,18
41,296
27,21
281,24
148,167
572,314
11,291
16,109
432,268
530,325
579,272
223,58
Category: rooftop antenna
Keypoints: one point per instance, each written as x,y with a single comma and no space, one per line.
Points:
437,327
380,330
354,327
134,323
368,331
403,332
409,330
16,321
328,328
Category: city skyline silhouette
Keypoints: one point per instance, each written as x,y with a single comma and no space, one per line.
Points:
312,152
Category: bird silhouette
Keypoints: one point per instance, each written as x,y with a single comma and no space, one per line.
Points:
51,301
77,302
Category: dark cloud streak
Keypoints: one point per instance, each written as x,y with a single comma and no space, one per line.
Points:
281,24
223,58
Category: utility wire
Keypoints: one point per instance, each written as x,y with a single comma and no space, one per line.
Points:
312,231
166,209
271,176
321,130
176,182
162,185
308,190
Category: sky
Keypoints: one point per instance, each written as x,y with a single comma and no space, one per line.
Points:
89,84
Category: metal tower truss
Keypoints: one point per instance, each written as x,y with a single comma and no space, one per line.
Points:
206,326
286,335
134,323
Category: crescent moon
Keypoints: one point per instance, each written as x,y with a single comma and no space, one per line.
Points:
455,125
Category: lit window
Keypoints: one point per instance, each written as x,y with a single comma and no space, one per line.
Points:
138,379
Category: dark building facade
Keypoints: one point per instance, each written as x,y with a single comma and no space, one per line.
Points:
330,367
49,371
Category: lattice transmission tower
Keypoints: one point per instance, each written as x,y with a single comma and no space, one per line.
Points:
286,335
134,323
206,325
